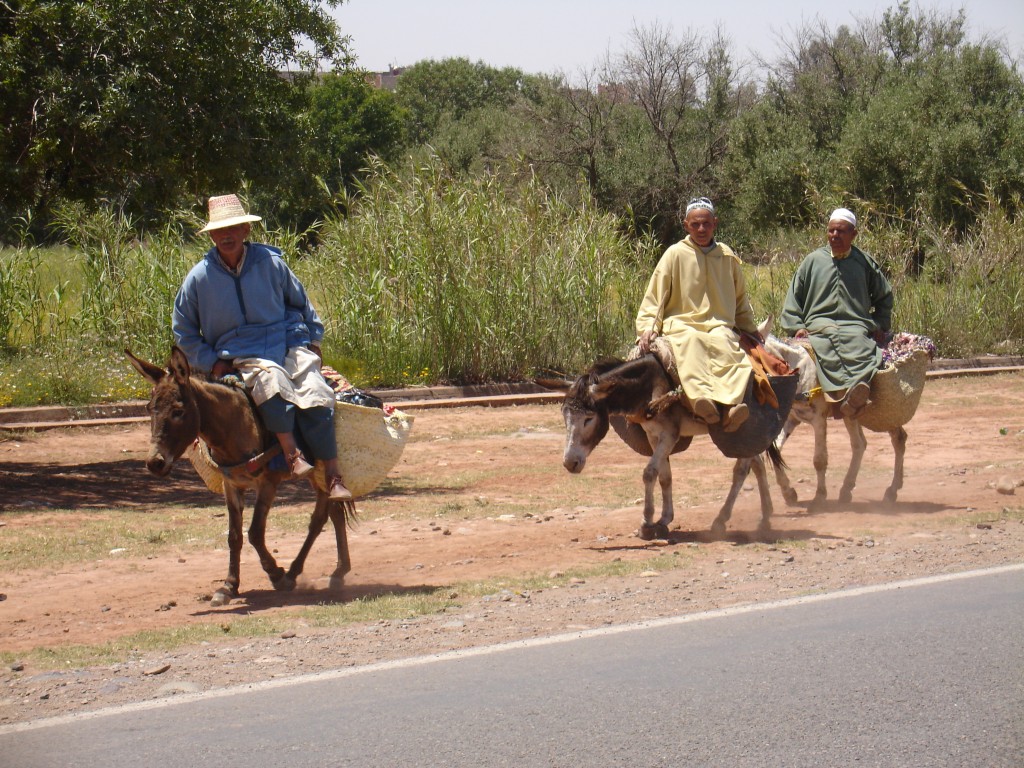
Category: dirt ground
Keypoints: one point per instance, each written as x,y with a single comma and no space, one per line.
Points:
480,494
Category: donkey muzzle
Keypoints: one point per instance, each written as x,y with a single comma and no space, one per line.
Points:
159,464
574,461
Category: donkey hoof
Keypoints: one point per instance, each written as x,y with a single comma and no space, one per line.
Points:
845,496
718,528
790,496
335,583
284,584
648,531
890,495
221,597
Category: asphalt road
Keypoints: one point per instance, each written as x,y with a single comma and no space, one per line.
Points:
921,674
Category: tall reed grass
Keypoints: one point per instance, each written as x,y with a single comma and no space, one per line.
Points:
423,277
968,295
446,278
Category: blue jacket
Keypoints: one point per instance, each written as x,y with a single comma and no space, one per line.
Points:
263,312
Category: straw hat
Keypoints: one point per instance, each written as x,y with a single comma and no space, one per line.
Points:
227,211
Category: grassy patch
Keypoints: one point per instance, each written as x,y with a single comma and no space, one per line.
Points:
390,606
467,279
151,641
791,544
974,518
51,539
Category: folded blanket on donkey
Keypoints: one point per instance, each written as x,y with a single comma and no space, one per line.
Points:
770,395
897,387
763,362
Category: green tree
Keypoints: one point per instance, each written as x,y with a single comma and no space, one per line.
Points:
575,132
771,170
690,93
151,102
348,120
903,115
937,136
436,92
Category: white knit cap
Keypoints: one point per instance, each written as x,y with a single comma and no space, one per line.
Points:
843,214
700,203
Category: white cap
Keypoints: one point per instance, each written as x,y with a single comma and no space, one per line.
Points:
700,203
843,214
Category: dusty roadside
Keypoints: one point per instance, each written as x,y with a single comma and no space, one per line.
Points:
480,495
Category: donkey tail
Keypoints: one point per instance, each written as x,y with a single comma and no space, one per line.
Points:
348,512
775,457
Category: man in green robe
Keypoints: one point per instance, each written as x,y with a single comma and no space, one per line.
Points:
842,303
697,299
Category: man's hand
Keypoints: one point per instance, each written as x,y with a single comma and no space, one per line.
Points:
801,334
881,337
645,340
222,368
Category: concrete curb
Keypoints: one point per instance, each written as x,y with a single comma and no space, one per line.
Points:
418,398
412,399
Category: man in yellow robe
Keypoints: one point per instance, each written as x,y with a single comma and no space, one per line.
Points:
696,300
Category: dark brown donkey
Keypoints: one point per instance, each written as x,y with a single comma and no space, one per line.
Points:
620,394
183,407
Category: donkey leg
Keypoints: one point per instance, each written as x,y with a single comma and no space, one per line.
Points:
234,499
899,447
764,492
740,470
788,491
316,524
668,513
258,533
339,517
858,444
658,468
648,530
820,426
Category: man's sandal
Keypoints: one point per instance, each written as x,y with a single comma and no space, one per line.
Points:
735,416
336,490
299,467
706,410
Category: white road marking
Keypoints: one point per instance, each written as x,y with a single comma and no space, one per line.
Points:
485,650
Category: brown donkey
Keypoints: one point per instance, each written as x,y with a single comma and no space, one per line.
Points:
619,394
183,407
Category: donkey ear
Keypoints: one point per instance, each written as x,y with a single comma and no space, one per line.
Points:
598,389
178,365
148,371
560,385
